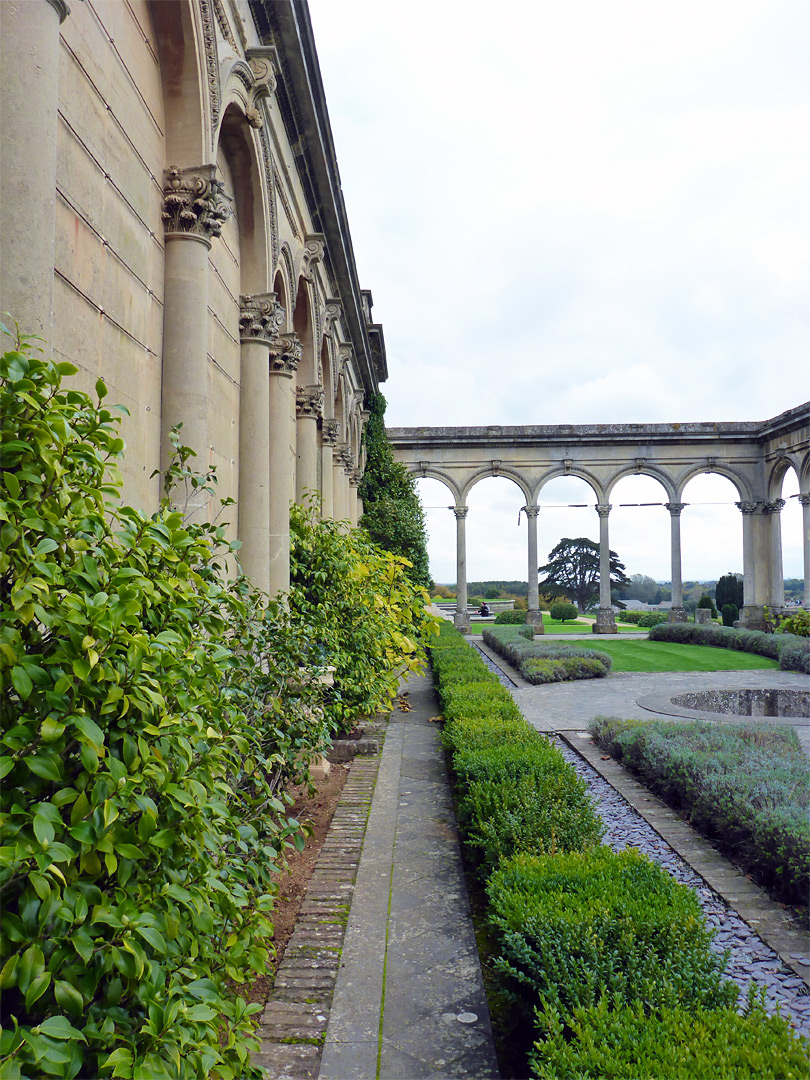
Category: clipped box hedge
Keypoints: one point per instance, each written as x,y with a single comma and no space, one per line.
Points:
586,938
675,1043
747,785
544,662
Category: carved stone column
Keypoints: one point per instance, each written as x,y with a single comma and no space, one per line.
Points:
330,429
343,463
354,500
677,612
195,209
777,591
308,410
260,320
605,619
29,55
805,504
462,617
285,354
752,615
534,615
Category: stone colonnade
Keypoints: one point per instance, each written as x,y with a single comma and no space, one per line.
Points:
753,456
243,323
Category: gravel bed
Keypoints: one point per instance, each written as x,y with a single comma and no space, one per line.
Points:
493,667
750,959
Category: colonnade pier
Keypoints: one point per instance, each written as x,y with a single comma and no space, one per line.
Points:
754,456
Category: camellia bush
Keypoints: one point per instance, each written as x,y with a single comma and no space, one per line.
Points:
365,617
150,716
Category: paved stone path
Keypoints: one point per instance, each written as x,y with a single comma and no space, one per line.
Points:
409,1000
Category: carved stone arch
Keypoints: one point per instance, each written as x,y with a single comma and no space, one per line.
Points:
574,470
500,470
186,47
425,471
738,479
779,469
304,326
242,149
332,370
804,473
654,471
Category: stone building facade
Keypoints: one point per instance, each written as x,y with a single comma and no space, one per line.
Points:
172,222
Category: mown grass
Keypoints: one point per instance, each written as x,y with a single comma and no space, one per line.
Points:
665,656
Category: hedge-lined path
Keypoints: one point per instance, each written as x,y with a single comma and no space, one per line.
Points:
409,1000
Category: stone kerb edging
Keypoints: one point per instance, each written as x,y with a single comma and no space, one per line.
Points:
773,924
293,1023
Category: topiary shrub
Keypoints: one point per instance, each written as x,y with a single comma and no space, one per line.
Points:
510,618
730,613
706,602
562,612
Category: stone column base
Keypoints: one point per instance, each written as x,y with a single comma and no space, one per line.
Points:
535,619
605,622
677,614
461,621
753,618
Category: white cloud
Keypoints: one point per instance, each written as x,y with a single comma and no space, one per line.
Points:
579,212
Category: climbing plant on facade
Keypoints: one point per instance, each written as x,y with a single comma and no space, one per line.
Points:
392,512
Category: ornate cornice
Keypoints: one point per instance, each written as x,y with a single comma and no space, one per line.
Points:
261,318
309,401
194,202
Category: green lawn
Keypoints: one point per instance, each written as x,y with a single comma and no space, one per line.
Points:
665,656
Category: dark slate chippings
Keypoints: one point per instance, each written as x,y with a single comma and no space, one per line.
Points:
502,676
750,959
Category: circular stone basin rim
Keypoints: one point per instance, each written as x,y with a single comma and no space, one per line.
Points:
742,705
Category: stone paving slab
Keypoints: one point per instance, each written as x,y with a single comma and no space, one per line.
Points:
409,1000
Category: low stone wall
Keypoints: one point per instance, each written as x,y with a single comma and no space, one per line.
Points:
772,702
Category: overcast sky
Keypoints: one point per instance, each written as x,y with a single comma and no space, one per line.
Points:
576,213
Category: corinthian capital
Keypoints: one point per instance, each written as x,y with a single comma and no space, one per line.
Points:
804,500
773,507
330,432
460,512
309,401
194,202
675,508
603,509
285,354
261,317
747,507
344,456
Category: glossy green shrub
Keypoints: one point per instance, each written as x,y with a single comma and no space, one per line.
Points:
674,1043
510,618
748,786
362,610
471,700
141,752
575,929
